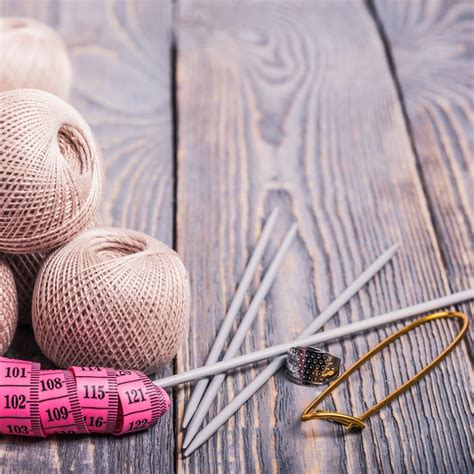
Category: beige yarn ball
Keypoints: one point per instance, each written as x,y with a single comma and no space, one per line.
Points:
112,298
25,269
32,55
8,307
50,172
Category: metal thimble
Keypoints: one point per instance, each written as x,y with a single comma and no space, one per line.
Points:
311,366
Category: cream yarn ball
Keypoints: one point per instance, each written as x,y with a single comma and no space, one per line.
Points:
25,268
8,307
50,172
111,298
32,55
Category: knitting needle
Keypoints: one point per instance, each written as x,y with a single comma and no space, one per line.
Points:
325,336
239,335
326,315
315,326
235,304
213,388
332,334
330,311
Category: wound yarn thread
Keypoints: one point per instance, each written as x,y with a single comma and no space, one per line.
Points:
111,297
25,268
8,306
32,55
51,172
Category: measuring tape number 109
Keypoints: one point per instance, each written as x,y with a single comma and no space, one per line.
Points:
35,402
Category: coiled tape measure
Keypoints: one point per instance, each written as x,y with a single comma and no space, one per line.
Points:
35,402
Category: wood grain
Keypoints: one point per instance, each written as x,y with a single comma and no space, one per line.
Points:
432,44
289,104
294,105
121,60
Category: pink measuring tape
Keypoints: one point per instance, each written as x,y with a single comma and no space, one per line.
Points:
35,402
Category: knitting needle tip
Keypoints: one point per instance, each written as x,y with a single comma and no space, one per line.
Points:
186,420
187,452
197,442
186,442
393,248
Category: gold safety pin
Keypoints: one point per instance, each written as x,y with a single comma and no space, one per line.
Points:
358,421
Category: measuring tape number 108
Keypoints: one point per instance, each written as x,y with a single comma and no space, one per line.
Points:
35,402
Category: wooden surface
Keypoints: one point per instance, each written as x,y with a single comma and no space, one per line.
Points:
436,79
355,120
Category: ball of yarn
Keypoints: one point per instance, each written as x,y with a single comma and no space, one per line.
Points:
25,269
8,307
113,298
33,56
50,172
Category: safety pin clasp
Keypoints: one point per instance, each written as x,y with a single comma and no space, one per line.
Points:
357,422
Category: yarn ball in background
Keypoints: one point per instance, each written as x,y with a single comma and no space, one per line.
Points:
33,56
111,298
25,269
50,172
8,306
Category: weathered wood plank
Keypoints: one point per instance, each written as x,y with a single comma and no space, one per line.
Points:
293,104
121,59
432,44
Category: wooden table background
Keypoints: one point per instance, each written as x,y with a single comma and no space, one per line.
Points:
355,119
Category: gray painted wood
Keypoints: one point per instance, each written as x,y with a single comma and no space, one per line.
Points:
289,104
294,105
432,42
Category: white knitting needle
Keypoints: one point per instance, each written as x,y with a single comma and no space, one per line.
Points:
329,312
239,335
326,336
226,326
